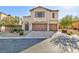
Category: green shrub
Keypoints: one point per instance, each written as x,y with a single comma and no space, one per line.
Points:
69,33
20,30
21,33
64,31
11,31
15,30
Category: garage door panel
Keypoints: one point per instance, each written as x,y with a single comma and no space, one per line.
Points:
39,27
53,27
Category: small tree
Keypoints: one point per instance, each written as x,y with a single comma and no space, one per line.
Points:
76,18
66,21
9,20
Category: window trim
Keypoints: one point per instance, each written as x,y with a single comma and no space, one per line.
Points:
38,15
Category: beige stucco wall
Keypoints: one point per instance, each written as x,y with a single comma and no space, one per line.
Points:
2,16
48,16
36,18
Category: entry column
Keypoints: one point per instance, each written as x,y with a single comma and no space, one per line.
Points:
48,26
58,27
23,26
30,26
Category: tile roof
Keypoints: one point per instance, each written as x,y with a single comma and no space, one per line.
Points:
44,8
3,13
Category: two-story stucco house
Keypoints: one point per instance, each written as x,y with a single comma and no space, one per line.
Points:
41,19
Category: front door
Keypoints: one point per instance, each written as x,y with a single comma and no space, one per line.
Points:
27,26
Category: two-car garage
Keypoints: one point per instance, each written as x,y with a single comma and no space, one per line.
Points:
43,27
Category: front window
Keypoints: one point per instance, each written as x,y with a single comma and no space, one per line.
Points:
53,15
39,14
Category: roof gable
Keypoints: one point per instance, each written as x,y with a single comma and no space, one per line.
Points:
4,13
44,8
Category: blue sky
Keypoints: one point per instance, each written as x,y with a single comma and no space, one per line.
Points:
24,10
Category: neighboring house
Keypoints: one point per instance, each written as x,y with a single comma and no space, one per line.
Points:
8,28
41,19
2,15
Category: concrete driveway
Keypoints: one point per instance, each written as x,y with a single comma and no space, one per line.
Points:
43,47
42,34
48,45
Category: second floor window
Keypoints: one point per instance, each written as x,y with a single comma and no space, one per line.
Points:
39,14
53,15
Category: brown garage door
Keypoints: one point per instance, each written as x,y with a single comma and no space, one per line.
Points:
39,27
53,27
